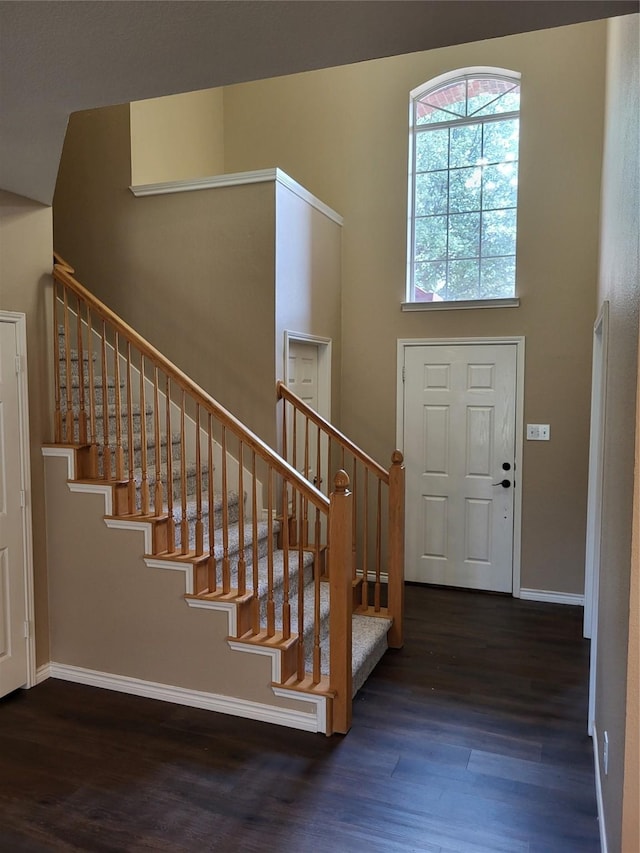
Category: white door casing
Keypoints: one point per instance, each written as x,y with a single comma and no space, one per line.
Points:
460,413
594,498
307,372
17,653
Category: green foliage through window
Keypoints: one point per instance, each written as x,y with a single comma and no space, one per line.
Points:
464,188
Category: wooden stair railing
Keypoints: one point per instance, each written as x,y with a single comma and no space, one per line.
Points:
316,448
189,458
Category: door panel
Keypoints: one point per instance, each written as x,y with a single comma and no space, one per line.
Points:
13,645
459,421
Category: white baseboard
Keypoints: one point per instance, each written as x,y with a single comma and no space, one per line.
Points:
552,597
596,767
43,672
192,698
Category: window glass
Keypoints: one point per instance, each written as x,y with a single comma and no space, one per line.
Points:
464,189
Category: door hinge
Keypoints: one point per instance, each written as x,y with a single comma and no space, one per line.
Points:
23,498
18,364
27,629
404,369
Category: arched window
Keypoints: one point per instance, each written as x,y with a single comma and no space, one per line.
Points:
463,187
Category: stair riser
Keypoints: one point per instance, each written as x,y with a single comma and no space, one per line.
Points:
233,554
124,423
137,452
233,513
98,396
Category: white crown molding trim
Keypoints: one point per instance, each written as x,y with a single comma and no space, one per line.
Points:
67,453
296,188
175,566
237,179
228,607
274,654
320,703
552,597
191,698
43,672
599,799
124,524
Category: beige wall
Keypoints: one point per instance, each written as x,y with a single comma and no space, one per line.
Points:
111,613
343,134
192,272
308,280
25,264
620,284
177,137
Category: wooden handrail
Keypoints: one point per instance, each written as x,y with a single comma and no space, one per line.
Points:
309,491
59,261
285,393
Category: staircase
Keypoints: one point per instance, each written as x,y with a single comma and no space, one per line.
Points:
255,537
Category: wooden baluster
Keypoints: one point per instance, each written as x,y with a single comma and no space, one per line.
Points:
395,587
242,564
254,521
145,493
294,438
226,565
294,508
171,523
317,480
305,525
157,492
365,539
184,524
284,429
376,591
93,452
57,424
317,583
354,530
271,606
82,415
301,586
106,448
199,487
212,568
68,419
340,678
131,490
286,606
116,373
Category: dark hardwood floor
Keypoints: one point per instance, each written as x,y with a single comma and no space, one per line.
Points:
471,739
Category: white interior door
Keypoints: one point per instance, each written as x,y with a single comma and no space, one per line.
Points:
13,608
459,445
303,381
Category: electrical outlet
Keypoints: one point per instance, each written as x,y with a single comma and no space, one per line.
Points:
538,432
605,753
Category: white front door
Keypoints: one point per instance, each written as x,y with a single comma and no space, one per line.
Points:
13,614
459,447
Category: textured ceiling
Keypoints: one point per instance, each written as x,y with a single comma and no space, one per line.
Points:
59,57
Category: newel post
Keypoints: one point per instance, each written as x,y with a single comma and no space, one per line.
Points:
341,596
396,550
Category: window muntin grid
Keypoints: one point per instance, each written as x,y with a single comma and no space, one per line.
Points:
465,138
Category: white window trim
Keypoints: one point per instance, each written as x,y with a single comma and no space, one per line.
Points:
449,305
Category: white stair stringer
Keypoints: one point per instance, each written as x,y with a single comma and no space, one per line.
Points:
317,721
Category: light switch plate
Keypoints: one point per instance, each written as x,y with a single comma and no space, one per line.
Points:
538,432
